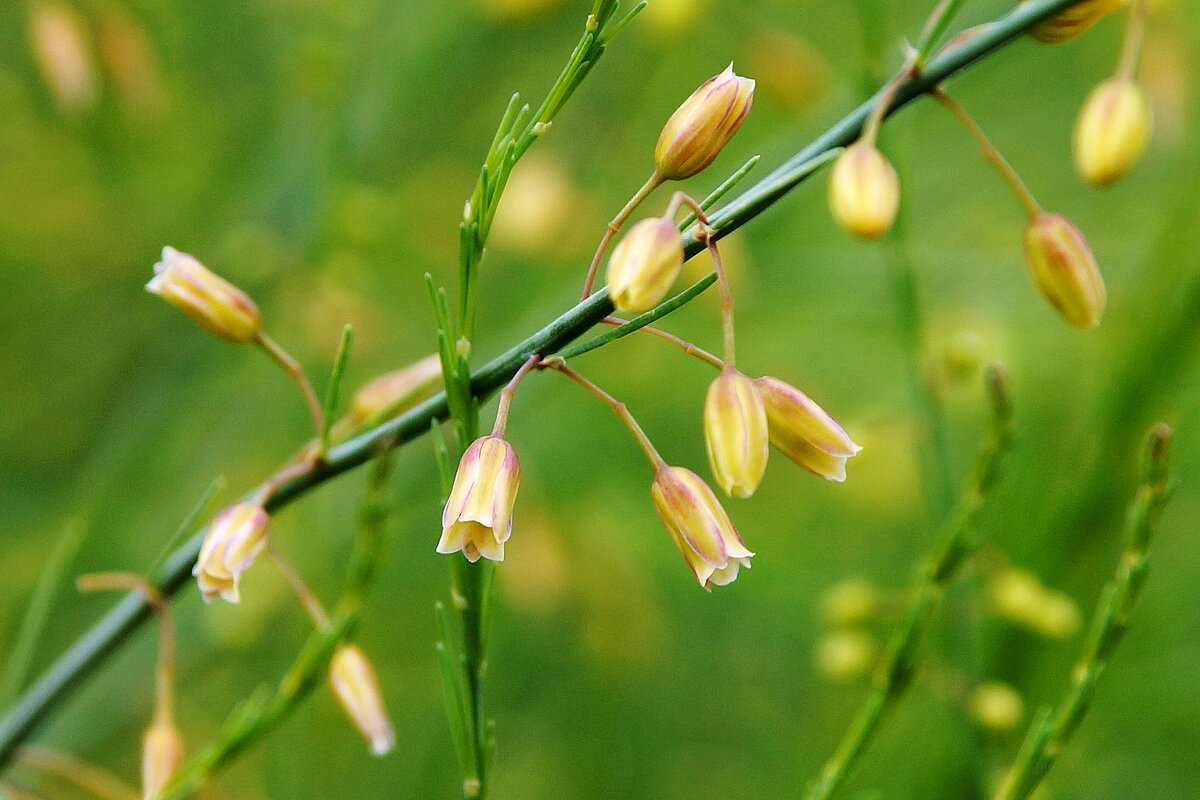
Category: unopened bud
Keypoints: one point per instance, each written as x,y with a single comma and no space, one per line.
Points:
1064,269
393,392
60,44
645,264
997,706
804,432
845,655
1020,597
735,433
699,526
864,191
477,518
357,689
235,538
162,753
1068,24
703,125
852,601
215,304
1112,131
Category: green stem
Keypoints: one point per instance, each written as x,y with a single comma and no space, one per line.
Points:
958,541
110,632
1052,730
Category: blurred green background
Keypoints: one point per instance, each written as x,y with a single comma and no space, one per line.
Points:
318,153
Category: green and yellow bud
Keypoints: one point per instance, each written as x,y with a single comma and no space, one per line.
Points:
1020,597
393,392
735,433
1112,132
645,265
215,304
701,127
235,538
1064,269
843,656
852,601
864,191
162,753
699,526
804,432
997,706
478,516
357,689
1066,25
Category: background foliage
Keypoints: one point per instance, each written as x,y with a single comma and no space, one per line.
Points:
319,152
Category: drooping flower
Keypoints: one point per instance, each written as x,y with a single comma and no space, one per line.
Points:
1112,131
357,689
1064,269
644,265
804,432
478,516
162,753
699,526
735,433
864,191
235,538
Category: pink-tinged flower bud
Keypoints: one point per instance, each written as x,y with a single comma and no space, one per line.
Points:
804,432
699,526
357,689
735,433
703,125
1066,25
162,753
478,516
645,265
1112,131
393,392
235,538
1064,269
864,191
215,304
64,55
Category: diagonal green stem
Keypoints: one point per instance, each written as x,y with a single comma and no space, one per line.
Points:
957,543
109,633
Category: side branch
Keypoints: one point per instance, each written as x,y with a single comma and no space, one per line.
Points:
82,658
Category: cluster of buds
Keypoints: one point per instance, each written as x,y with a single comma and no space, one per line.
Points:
1019,597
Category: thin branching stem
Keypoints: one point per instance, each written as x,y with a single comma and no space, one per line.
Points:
308,599
683,344
618,408
991,154
292,367
957,542
1053,728
82,658
614,227
507,393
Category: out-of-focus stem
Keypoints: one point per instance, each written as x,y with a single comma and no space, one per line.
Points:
1131,45
312,605
89,777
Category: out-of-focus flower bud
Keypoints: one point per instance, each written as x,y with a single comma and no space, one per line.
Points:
735,433
1020,597
1066,25
1112,131
393,392
357,689
802,431
852,601
1064,269
645,264
703,125
478,516
845,655
215,304
699,526
162,753
864,191
235,538
60,44
997,706
129,59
